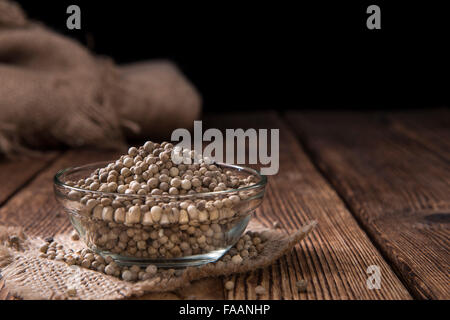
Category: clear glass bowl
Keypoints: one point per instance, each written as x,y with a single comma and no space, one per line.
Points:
181,236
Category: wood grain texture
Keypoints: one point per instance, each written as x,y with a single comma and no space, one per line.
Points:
430,128
394,173
23,169
34,208
335,257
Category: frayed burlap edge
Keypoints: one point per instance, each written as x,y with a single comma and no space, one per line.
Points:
11,15
29,277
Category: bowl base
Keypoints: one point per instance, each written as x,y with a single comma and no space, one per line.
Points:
182,262
189,261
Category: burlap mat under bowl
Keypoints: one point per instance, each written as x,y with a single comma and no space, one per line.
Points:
29,277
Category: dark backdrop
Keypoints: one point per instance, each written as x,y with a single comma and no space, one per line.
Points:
280,55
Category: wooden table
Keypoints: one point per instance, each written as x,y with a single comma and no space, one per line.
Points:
377,183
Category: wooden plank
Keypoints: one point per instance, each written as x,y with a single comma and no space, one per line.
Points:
335,257
35,208
23,169
430,128
397,185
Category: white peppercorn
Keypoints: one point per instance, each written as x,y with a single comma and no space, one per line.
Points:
108,259
59,257
89,257
186,184
237,259
101,268
135,269
110,269
229,285
119,215
97,212
94,186
133,151
107,213
203,216
43,248
71,291
133,215
301,285
260,290
75,236
148,146
156,212
74,195
256,240
192,211
86,263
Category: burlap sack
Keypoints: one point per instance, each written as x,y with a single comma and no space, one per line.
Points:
157,97
54,93
30,277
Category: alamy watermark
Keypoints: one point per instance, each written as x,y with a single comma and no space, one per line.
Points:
374,20
374,280
234,140
74,20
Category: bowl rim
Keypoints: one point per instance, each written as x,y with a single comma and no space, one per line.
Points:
261,183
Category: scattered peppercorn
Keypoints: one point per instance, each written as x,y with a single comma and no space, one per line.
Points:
88,259
49,239
237,259
14,239
229,285
260,290
72,292
75,236
301,285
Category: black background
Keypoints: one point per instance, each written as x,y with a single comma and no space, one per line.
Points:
279,308
277,55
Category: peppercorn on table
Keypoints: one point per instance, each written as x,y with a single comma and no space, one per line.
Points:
377,183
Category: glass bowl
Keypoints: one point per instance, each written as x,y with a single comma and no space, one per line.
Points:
191,229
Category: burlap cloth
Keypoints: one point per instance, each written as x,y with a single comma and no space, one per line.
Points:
30,277
54,92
